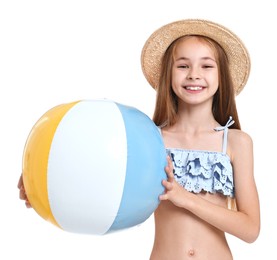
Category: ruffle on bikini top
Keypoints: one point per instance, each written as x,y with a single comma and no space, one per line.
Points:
200,171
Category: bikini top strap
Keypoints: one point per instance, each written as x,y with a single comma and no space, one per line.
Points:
225,134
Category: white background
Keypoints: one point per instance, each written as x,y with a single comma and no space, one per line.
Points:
54,52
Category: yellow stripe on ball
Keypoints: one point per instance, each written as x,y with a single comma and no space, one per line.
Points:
35,159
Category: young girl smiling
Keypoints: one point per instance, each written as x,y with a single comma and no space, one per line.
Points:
197,67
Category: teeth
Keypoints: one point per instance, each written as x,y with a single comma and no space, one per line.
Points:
193,88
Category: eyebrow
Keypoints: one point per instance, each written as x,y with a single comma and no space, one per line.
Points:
203,58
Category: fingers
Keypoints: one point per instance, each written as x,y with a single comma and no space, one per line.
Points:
20,186
20,182
22,192
28,204
23,196
169,169
168,185
163,197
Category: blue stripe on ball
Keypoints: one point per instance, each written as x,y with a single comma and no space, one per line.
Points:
146,159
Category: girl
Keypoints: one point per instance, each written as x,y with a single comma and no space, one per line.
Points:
197,67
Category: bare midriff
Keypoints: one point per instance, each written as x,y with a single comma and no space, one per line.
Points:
180,235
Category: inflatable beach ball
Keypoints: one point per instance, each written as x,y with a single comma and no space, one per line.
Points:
94,166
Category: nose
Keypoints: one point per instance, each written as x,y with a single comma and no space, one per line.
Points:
193,74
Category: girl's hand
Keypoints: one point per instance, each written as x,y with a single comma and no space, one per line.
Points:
22,193
174,192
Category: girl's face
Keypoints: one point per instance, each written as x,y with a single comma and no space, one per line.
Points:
194,72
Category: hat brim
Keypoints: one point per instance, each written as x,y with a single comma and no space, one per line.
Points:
159,41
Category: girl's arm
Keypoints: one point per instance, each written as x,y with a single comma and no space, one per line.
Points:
243,223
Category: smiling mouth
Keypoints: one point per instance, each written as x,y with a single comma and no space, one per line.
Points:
194,88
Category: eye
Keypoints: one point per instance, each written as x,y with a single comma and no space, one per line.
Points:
182,66
208,66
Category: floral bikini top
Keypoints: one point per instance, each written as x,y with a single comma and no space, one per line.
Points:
208,171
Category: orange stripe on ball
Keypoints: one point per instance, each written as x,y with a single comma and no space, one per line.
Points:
35,159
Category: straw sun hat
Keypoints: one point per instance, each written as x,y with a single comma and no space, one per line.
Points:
160,40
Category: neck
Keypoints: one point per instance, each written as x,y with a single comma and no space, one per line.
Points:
195,119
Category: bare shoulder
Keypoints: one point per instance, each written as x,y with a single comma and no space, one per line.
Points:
239,141
239,136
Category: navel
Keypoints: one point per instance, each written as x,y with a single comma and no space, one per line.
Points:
191,252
